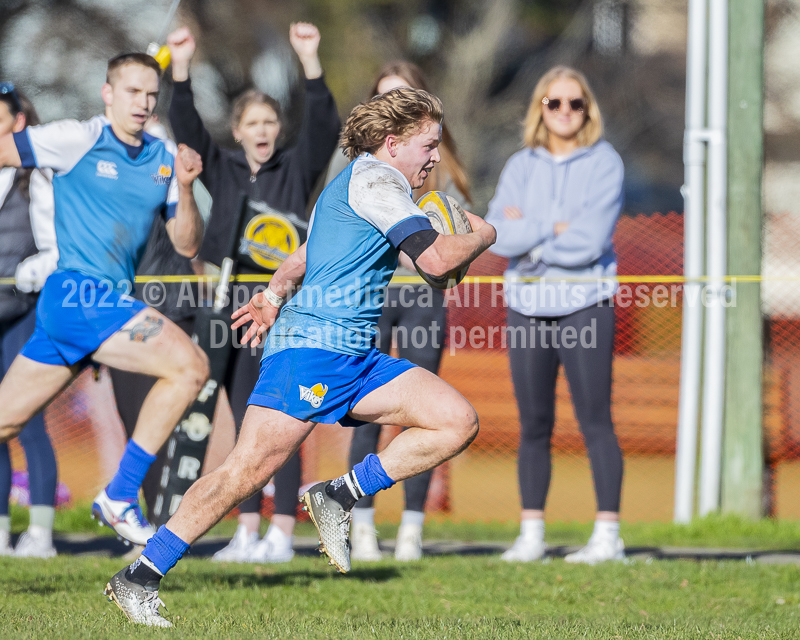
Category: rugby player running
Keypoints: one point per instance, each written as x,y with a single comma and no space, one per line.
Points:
320,363
111,181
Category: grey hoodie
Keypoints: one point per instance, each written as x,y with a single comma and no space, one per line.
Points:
584,189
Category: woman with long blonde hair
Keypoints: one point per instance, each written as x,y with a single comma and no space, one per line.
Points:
555,210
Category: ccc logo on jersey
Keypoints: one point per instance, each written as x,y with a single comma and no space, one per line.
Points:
106,169
163,175
269,239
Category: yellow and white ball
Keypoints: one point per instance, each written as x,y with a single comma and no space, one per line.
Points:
448,218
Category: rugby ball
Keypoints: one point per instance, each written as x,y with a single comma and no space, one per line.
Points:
449,219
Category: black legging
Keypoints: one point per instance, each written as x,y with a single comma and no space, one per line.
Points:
402,313
587,365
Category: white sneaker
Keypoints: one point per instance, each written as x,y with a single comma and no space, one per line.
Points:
364,543
5,544
599,549
239,549
36,542
525,550
126,518
409,543
275,547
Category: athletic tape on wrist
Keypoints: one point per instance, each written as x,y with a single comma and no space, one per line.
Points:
273,298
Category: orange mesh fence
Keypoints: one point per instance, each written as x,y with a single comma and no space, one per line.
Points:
481,484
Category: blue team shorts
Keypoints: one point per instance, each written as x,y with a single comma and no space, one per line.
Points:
75,314
322,386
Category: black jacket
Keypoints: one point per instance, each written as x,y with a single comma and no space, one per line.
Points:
284,183
16,244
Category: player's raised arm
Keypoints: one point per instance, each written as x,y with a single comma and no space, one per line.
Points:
9,156
263,308
185,229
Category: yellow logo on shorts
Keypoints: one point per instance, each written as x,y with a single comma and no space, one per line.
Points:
314,395
269,239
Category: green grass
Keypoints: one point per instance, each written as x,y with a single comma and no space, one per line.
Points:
442,597
713,531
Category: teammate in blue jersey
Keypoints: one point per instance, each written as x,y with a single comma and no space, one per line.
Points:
320,363
111,181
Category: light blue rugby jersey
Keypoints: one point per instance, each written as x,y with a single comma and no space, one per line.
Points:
105,202
360,219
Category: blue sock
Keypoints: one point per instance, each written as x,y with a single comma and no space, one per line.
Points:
164,549
371,476
132,469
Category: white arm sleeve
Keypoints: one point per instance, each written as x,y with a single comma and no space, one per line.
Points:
33,271
59,145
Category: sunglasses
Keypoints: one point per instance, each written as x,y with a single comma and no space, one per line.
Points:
7,89
554,104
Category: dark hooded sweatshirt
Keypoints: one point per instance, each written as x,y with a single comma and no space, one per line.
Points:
284,183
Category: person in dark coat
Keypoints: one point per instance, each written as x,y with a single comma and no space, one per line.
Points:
279,182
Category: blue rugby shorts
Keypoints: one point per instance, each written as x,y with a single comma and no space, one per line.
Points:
75,314
320,385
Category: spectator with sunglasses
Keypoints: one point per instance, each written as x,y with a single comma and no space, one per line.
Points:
555,211
28,253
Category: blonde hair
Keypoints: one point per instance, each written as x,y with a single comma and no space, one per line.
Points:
535,133
400,112
451,165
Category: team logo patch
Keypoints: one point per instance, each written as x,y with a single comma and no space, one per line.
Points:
269,239
196,426
106,169
313,395
163,175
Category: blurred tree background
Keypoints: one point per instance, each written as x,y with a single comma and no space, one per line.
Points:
482,57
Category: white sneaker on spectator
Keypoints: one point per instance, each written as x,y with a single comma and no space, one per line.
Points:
36,542
409,543
5,544
364,543
599,549
275,547
239,549
525,549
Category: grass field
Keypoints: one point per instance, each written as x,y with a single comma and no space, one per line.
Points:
453,596
444,597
